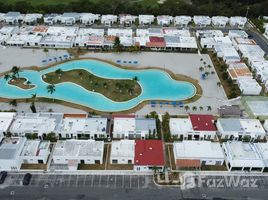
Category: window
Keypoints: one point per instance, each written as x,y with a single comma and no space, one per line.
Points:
97,161
114,161
129,161
218,163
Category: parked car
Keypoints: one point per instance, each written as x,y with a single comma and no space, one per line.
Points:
3,176
26,179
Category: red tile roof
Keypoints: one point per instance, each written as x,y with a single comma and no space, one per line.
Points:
123,116
75,115
187,163
203,122
156,42
149,153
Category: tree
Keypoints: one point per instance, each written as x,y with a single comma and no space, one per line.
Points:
186,108
51,88
28,82
13,102
51,137
135,78
201,69
58,72
7,76
207,73
201,108
117,44
219,84
15,71
194,108
209,108
81,74
46,51
32,107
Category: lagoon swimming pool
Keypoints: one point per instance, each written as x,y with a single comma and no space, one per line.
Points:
155,84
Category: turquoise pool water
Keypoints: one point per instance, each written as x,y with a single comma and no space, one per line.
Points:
156,85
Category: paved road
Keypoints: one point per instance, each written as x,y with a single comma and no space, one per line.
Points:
98,187
259,40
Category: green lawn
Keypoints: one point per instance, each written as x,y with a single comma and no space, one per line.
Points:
116,90
37,2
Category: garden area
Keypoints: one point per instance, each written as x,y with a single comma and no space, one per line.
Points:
116,90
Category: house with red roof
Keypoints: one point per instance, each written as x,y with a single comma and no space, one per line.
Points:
156,42
203,127
195,127
148,155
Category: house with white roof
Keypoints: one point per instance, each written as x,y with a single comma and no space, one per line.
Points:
35,123
261,69
240,129
219,21
120,32
242,156
238,21
249,86
88,18
89,41
132,128
164,20
51,19
194,154
182,21
202,21
6,119
171,31
13,18
227,53
252,52
32,18
69,18
35,152
210,42
83,127
122,152
24,40
237,33
263,150
2,17
209,33
108,20
75,152
126,19
10,149
239,70
146,19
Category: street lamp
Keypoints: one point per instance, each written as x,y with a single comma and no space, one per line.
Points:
247,11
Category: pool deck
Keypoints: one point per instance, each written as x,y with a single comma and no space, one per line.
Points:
179,63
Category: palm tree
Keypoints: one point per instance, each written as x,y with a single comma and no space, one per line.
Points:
186,108
201,59
209,108
219,84
201,69
81,74
135,78
15,71
28,82
7,76
34,97
194,108
58,72
207,73
201,108
13,102
51,88
46,51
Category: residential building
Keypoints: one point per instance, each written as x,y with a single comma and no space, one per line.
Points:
89,18
249,86
230,111
149,155
70,18
75,152
211,42
32,18
10,149
108,20
219,21
126,19
209,33
195,127
6,118
195,154
239,70
240,129
35,123
242,156
12,18
263,150
131,127
146,19
202,21
182,21
122,152
237,33
227,53
83,127
35,152
238,21
164,20
51,19
120,32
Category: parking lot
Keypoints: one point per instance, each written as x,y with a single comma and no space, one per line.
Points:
108,181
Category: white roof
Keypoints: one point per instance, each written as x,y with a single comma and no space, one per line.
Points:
91,31
182,19
241,154
22,39
209,33
108,18
176,32
120,32
6,119
202,20
79,148
7,30
146,18
62,30
10,148
220,20
32,16
249,86
124,124
180,125
237,33
123,148
190,149
36,148
229,53
238,20
89,125
252,52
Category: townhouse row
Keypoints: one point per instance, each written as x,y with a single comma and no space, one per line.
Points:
242,56
71,18
96,38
